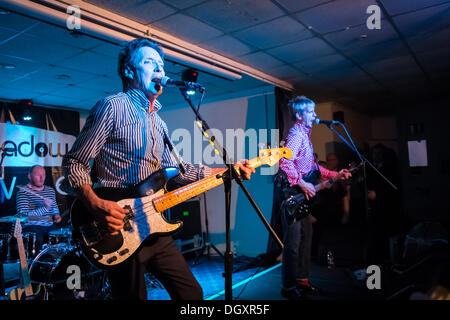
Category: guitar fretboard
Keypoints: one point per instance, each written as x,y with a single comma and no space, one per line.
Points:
175,197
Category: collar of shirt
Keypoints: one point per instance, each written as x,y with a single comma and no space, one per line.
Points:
303,129
140,100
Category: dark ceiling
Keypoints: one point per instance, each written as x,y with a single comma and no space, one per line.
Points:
323,48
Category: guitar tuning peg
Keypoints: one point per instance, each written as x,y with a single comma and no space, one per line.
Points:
282,143
261,146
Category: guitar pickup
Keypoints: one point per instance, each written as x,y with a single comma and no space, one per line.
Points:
124,251
127,226
128,216
111,260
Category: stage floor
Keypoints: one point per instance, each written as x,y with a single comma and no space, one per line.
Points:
251,282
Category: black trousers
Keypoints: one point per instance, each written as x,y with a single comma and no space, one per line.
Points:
297,250
161,257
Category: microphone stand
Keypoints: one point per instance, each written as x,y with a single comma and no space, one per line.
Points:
364,164
228,176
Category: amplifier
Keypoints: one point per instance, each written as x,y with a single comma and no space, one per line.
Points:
190,237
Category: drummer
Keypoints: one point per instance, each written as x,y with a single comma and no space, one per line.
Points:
37,200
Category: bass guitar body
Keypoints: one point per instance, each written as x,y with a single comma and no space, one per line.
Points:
142,221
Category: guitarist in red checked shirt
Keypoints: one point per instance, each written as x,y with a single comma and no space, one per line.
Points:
302,173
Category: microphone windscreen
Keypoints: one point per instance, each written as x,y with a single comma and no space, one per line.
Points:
164,81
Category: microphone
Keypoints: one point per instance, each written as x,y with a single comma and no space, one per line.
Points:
167,82
327,122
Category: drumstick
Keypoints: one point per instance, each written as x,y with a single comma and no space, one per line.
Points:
29,191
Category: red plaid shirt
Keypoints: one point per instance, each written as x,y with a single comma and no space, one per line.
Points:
302,161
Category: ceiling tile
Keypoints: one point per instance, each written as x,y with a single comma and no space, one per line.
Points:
140,11
92,63
33,48
302,50
55,100
379,51
336,15
17,94
63,76
21,66
436,60
233,15
228,46
103,85
33,83
260,60
393,68
6,33
262,35
64,36
424,21
286,72
324,63
79,93
107,49
430,42
296,5
16,21
187,28
360,36
182,4
339,74
395,7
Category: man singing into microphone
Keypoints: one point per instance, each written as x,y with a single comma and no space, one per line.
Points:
127,140
298,233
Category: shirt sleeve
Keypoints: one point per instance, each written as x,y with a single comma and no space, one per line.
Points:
54,208
191,172
23,206
287,165
327,174
88,144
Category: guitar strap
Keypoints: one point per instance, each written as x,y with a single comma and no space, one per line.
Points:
169,144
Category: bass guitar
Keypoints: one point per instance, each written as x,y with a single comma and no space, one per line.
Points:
145,204
25,291
296,204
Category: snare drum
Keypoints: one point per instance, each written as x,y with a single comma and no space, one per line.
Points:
63,235
51,268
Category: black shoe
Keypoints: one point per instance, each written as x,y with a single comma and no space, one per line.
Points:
293,294
307,288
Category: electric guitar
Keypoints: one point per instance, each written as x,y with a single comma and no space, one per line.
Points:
145,204
24,292
296,203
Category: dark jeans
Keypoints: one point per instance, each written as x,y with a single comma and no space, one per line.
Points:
161,257
297,250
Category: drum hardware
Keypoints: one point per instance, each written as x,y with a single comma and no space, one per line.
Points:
30,245
50,268
48,264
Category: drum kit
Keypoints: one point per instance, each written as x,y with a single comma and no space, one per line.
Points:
49,264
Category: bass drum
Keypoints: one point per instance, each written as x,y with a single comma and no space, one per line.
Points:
53,267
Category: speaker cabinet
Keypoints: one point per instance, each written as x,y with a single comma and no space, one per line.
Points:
190,237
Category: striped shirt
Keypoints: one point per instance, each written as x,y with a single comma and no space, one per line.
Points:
31,203
302,162
126,141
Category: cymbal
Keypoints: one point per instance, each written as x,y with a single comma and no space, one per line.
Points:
13,219
25,218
